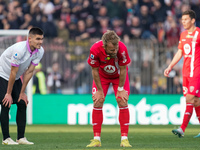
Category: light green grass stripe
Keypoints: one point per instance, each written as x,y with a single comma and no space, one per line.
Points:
66,137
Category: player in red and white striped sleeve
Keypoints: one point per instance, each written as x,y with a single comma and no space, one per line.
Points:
189,48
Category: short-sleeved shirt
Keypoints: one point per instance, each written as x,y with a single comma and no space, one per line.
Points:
189,43
108,67
19,55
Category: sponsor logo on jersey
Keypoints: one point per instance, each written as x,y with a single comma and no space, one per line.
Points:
92,56
109,69
185,90
183,39
189,36
188,55
191,88
197,91
187,49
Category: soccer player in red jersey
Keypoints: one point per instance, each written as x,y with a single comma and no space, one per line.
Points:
109,59
189,48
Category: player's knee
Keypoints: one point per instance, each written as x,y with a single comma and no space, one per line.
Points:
196,102
121,103
21,104
99,103
4,108
190,99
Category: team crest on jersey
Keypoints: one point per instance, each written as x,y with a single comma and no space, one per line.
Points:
191,88
92,56
92,62
109,69
185,90
187,49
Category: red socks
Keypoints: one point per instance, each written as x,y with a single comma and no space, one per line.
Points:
187,115
97,120
197,109
124,120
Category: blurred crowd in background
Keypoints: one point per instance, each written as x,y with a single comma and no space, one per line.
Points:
73,25
83,19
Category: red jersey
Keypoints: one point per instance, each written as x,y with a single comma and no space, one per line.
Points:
189,43
108,67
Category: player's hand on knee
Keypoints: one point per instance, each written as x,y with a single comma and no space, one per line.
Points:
98,98
23,97
122,95
99,102
98,95
121,103
7,101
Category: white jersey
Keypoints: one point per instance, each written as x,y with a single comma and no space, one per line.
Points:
19,55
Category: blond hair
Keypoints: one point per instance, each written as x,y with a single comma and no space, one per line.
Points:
110,36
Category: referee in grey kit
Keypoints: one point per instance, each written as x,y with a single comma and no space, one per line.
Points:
20,58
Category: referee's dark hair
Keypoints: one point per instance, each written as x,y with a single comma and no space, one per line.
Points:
191,13
36,30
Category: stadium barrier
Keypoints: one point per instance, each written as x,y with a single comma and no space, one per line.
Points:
149,59
76,110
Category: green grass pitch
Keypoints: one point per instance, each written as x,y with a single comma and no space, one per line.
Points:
141,137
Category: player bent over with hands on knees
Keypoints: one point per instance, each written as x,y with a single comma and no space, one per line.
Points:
109,59
189,48
20,58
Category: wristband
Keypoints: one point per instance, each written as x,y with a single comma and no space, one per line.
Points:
120,88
